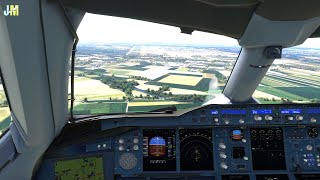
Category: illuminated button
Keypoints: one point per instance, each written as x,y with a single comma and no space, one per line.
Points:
223,166
299,118
245,158
268,118
222,146
121,148
313,120
257,118
135,140
135,147
244,140
309,147
236,135
223,155
241,121
226,121
318,164
121,140
99,146
215,119
104,145
305,160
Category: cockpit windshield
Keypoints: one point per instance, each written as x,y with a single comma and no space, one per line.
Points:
125,65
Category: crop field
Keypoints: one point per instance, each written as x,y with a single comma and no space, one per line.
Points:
98,108
94,89
180,79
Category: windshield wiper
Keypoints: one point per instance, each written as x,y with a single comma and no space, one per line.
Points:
164,110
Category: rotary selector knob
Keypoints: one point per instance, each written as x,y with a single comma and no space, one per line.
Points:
257,118
241,121
309,147
268,118
313,120
223,166
135,147
222,146
128,161
299,118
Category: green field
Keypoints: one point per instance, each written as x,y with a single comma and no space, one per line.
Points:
100,107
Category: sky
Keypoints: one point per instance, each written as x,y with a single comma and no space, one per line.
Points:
108,29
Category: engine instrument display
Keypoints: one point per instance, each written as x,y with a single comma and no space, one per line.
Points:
196,149
159,151
82,168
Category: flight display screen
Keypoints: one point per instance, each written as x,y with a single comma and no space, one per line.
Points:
261,111
81,168
196,149
159,151
290,111
233,111
314,111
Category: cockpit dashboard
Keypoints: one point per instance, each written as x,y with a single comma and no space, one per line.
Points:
223,142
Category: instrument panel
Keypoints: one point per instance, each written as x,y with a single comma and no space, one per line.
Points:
255,142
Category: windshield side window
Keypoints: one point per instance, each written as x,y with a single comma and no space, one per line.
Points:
5,118
295,78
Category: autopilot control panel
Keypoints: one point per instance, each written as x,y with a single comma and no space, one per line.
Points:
223,142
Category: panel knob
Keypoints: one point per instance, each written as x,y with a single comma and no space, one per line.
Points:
223,166
290,118
135,140
222,146
223,155
313,120
268,118
121,140
299,118
309,147
257,118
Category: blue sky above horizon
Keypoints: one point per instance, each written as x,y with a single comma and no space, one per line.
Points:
108,29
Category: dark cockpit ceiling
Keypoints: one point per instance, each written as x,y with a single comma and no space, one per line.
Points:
225,17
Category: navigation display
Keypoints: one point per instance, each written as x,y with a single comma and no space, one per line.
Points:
196,149
82,168
159,151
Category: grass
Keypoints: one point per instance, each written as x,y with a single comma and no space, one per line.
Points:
99,108
118,71
280,93
180,79
306,92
